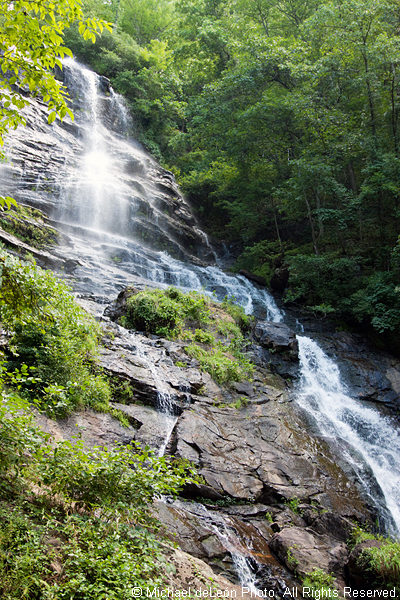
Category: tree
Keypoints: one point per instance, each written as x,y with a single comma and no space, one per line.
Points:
31,46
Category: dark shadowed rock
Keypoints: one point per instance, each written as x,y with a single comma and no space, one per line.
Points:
253,277
279,347
303,550
372,376
280,279
277,337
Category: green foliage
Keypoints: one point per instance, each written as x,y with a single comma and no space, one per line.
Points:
269,517
53,337
319,582
221,367
77,522
238,315
281,122
31,47
291,560
216,341
293,504
359,535
261,258
378,302
382,561
318,280
164,312
240,403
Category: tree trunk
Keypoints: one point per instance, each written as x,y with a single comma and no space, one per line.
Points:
313,236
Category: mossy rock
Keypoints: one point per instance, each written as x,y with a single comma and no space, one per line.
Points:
213,332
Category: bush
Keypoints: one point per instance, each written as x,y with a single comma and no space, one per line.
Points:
381,561
320,583
221,367
53,336
213,329
165,312
77,522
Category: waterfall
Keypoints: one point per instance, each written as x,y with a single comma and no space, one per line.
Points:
225,531
372,439
125,222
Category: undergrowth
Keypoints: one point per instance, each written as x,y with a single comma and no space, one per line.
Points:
214,332
382,562
76,522
321,584
52,342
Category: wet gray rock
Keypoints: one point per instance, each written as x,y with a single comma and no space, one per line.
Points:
278,347
372,376
46,156
94,429
303,550
192,534
144,366
277,337
253,454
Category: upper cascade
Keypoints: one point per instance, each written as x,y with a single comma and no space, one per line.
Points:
122,217
88,172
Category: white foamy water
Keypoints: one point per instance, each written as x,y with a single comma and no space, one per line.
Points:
374,437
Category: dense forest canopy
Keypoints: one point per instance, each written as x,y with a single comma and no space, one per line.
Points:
280,119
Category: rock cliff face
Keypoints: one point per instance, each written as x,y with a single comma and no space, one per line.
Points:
55,168
273,495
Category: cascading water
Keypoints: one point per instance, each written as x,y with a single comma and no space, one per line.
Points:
115,207
372,439
227,535
125,221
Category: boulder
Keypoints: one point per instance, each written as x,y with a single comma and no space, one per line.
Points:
303,550
277,337
253,454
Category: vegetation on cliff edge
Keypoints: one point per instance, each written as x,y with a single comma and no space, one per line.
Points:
213,332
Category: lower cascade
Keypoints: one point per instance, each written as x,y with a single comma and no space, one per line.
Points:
372,440
123,221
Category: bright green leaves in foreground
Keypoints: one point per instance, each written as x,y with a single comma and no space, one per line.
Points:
31,45
214,331
77,522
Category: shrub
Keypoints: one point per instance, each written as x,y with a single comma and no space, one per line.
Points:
53,336
319,582
381,561
214,330
165,311
221,367
77,522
